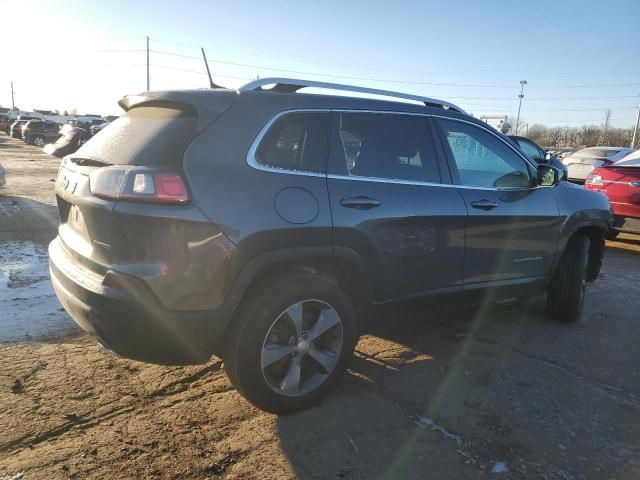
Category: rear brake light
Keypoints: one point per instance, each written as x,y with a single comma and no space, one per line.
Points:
138,185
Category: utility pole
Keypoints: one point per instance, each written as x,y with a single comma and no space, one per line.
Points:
148,84
521,96
13,103
602,140
635,130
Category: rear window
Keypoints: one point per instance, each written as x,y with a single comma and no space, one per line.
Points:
596,152
143,136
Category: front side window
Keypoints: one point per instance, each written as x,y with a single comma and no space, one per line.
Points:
396,147
482,159
531,150
296,141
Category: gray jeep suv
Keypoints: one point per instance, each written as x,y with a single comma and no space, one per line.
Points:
264,225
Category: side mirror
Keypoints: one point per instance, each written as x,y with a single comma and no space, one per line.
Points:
548,176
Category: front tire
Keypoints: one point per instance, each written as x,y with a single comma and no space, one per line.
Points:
565,295
291,341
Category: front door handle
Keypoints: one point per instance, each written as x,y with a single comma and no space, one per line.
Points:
360,203
484,204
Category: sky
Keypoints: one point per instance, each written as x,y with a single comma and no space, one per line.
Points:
578,57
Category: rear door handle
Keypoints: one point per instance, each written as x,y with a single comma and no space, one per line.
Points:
360,203
484,204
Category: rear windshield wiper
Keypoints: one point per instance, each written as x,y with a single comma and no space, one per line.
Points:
89,162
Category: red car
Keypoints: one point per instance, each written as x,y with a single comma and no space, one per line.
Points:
620,182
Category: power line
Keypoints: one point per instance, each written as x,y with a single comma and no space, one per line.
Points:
386,67
198,72
529,99
370,79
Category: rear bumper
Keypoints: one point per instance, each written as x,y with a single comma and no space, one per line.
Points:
626,224
128,319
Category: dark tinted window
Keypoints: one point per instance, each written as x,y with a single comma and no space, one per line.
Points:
482,159
296,141
531,150
388,146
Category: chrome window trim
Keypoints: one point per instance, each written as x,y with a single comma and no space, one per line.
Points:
253,162
424,184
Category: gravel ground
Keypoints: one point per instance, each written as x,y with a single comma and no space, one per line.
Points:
489,392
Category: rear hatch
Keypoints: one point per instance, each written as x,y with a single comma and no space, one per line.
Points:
147,143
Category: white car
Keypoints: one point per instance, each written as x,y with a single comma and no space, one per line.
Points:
581,164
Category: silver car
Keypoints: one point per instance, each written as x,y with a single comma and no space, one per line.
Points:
581,164
2,179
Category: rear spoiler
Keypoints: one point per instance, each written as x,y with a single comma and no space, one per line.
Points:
207,105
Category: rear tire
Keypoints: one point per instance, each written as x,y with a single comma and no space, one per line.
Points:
265,326
565,295
38,141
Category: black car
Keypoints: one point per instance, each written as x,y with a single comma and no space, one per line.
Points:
94,129
69,140
15,130
539,155
267,226
39,133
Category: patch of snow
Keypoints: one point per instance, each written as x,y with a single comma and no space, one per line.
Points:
29,309
500,467
425,422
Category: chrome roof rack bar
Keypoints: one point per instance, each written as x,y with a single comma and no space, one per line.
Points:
290,85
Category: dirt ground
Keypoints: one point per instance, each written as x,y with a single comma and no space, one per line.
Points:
489,392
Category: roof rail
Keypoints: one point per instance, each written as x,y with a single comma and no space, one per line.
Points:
290,85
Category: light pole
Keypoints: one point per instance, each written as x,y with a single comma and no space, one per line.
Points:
521,96
635,130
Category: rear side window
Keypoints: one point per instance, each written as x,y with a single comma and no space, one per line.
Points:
296,141
396,147
146,135
482,159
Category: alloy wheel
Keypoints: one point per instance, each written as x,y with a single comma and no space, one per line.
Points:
302,347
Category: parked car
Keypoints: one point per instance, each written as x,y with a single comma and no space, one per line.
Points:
96,128
5,124
620,182
266,226
581,164
88,124
39,133
16,128
538,154
565,153
3,180
71,139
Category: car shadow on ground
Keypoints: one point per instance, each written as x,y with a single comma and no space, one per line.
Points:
392,416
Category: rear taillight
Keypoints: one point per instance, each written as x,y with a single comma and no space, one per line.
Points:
135,184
